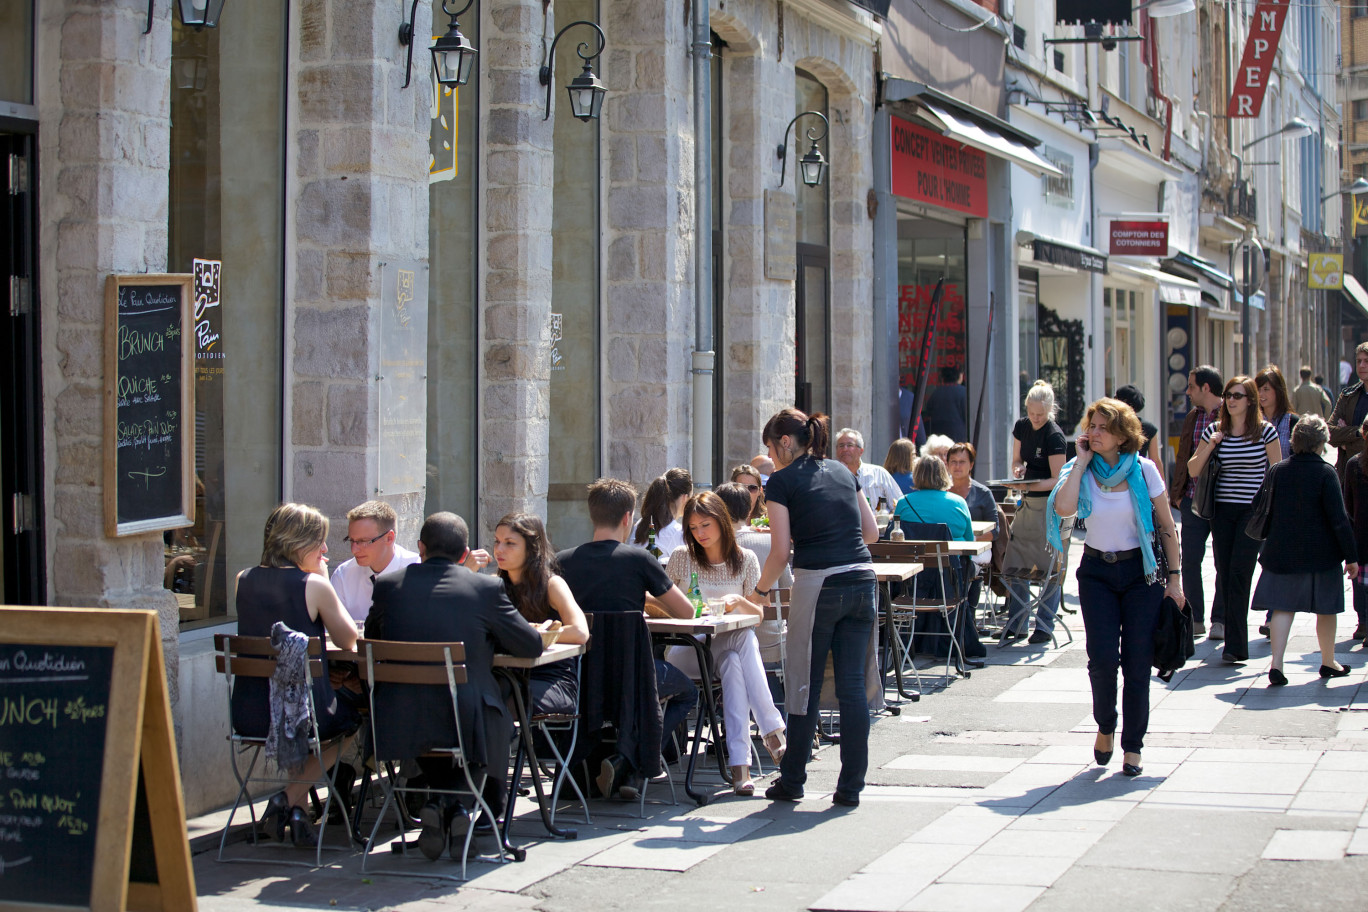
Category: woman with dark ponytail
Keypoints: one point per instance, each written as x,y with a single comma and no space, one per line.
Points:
815,503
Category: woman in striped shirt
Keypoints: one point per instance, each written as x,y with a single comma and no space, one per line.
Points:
1246,446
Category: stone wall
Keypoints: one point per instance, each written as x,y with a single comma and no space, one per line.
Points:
104,100
360,138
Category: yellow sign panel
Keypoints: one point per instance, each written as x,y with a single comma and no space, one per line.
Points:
1326,270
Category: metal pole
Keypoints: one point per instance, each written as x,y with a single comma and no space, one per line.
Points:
1244,317
703,356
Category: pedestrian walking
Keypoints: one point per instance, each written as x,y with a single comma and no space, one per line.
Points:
1204,395
1276,405
1350,410
1310,397
1356,503
1310,543
817,503
1246,446
1120,589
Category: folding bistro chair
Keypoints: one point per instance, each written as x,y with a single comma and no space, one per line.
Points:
255,657
1038,585
429,664
549,725
940,589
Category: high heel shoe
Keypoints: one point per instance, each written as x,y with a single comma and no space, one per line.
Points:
774,744
1327,672
1132,769
1276,678
1103,757
302,829
279,809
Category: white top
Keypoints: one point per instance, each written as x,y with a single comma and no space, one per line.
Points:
1111,525
669,538
875,482
355,583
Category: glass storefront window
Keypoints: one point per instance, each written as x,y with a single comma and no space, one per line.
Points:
928,250
227,187
576,423
16,51
453,311
1028,297
812,381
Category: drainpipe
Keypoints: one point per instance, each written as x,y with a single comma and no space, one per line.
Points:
703,355
1152,51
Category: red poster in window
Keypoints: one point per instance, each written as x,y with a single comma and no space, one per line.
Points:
932,168
952,342
1251,79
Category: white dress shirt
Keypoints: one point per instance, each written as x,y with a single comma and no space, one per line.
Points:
875,482
355,583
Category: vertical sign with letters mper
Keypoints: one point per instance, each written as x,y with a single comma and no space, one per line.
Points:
1251,79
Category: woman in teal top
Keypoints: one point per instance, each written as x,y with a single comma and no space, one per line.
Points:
932,501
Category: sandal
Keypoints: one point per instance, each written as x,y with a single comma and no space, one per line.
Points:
774,744
745,789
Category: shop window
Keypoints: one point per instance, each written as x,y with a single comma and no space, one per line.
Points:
927,252
576,416
812,290
1028,293
16,52
1061,364
227,198
453,469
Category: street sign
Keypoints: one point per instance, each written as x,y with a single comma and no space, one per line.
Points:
1249,266
1325,270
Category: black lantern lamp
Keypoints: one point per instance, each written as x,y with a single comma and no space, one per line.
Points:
586,90
453,56
812,167
197,14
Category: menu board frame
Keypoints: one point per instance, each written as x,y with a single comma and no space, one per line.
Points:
139,737
185,515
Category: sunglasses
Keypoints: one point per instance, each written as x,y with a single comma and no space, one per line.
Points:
752,488
1236,395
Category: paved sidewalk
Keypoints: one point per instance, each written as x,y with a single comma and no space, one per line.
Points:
981,796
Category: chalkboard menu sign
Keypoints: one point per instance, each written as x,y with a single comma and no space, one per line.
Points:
54,704
149,403
88,764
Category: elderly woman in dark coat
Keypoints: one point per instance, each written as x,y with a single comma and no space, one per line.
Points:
1310,542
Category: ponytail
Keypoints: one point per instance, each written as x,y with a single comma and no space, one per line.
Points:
818,435
810,433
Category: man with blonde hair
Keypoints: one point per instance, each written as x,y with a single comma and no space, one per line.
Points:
370,535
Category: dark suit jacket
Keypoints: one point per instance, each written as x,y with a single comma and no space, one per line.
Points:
438,601
947,411
1179,482
1346,438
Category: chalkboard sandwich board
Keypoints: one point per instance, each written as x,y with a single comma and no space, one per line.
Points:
149,458
91,814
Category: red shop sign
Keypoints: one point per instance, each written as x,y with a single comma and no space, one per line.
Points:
1251,79
1139,238
931,168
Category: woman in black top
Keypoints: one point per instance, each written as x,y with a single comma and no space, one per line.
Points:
1131,395
292,587
527,566
817,502
1038,453
1310,543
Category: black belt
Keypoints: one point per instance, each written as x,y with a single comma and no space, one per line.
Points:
1111,557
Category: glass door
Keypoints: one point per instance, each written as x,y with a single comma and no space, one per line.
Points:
813,381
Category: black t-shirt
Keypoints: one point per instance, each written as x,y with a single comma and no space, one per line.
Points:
824,516
1036,449
611,576
1148,431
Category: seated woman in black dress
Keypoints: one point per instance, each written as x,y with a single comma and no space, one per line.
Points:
527,565
292,587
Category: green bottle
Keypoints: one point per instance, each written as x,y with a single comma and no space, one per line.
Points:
695,596
651,545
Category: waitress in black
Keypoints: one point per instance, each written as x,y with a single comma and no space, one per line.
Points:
1038,453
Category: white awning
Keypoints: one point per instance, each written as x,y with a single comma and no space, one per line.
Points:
1354,292
990,141
1172,289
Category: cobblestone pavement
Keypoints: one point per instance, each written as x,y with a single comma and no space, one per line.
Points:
981,796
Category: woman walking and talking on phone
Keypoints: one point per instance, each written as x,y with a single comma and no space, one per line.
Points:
1120,588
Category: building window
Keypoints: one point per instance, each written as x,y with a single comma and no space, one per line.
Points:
1360,111
16,52
227,198
1019,37
1358,8
1058,190
1059,61
812,297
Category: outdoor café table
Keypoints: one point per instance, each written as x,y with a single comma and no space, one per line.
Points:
518,672
684,632
959,548
889,572
983,530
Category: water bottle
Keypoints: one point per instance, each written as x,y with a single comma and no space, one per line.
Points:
695,595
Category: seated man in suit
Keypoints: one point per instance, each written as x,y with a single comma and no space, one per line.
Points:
605,574
439,601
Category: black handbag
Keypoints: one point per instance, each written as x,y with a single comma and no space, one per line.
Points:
1172,638
1204,491
1262,518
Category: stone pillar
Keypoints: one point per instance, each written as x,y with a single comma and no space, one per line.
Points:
515,372
649,241
361,210
103,194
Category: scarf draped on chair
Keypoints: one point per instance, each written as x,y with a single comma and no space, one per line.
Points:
287,743
1127,469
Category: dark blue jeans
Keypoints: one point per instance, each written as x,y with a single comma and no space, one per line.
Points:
1194,534
1120,614
680,695
843,625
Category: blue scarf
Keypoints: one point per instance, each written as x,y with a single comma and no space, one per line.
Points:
1127,469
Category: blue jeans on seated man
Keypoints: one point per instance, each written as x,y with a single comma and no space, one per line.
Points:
681,696
1020,599
843,625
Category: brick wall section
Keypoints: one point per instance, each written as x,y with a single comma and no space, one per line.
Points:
360,201
103,195
648,241
515,372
